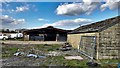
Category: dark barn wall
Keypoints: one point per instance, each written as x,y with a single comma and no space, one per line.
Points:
47,34
61,37
37,38
50,37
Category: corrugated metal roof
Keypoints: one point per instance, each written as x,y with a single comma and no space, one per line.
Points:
98,26
49,29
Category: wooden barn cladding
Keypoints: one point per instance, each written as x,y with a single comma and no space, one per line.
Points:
100,40
46,34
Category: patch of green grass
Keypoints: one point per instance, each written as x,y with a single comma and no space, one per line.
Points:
109,62
61,61
5,55
13,49
52,47
8,52
76,63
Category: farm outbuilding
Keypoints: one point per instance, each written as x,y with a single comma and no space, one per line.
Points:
100,40
46,34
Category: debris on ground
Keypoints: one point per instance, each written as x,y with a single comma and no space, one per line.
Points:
18,53
46,44
29,55
3,43
92,64
32,55
53,53
65,47
73,57
41,57
35,56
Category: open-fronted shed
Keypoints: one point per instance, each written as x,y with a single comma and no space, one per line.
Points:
46,34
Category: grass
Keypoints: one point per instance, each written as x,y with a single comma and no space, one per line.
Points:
109,62
9,50
48,47
60,61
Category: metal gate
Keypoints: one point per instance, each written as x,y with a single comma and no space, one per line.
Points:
88,46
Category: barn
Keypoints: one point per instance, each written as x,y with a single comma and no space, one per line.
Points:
46,34
100,40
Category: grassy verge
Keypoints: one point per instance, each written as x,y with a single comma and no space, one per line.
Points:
8,51
109,63
48,47
61,61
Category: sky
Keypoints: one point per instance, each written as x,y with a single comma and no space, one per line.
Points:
64,15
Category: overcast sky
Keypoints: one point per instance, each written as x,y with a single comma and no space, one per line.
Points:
65,15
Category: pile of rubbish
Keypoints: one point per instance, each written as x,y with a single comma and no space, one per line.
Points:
65,47
35,56
19,53
92,64
41,54
30,54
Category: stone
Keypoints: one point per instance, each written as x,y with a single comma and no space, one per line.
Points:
73,57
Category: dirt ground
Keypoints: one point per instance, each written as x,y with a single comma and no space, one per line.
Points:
8,58
7,52
30,42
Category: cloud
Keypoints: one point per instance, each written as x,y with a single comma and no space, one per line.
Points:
111,4
12,0
22,9
41,19
24,6
77,8
74,22
18,21
86,7
9,20
1,10
69,23
6,0
91,1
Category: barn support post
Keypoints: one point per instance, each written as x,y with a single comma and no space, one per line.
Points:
57,36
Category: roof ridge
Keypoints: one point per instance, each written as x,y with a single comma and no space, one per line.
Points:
97,26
